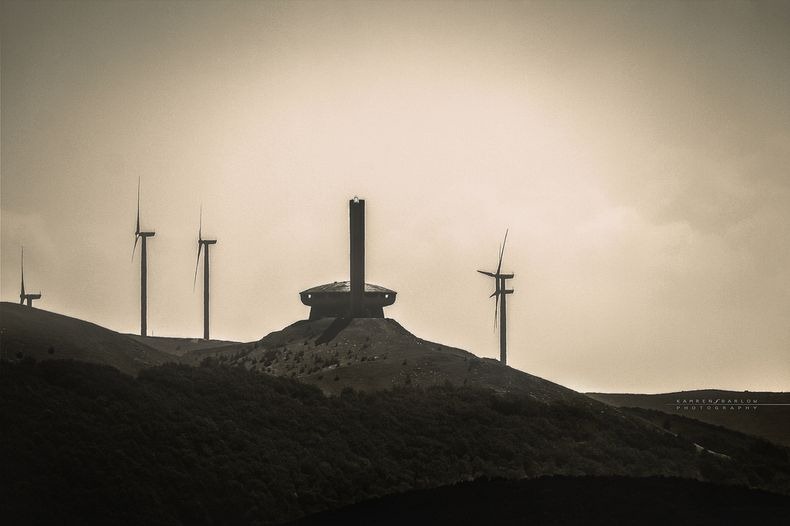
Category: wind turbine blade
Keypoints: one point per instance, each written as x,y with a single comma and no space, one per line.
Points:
200,228
501,252
197,263
136,238
487,273
22,290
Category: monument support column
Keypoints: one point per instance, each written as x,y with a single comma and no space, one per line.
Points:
356,211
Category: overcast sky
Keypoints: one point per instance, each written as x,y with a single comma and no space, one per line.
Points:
639,152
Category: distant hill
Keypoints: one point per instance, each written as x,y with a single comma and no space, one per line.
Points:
372,354
568,501
771,422
180,346
46,335
84,443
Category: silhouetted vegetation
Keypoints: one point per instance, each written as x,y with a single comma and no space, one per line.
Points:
216,444
565,501
761,463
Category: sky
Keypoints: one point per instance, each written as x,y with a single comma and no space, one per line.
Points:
639,153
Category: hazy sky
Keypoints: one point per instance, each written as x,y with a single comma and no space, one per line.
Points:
639,152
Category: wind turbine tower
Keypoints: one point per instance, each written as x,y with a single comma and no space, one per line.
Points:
204,243
140,235
23,297
501,290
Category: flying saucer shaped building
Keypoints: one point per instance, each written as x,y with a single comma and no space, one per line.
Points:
353,298
332,300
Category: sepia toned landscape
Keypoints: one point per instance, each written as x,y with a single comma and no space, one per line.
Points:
451,262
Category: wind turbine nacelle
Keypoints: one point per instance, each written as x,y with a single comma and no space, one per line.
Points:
509,291
147,234
507,276
209,241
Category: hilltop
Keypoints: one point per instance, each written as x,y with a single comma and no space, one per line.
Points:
371,354
44,335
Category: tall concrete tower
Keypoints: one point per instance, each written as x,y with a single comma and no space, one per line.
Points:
356,213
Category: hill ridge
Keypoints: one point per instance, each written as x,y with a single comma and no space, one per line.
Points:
374,354
43,335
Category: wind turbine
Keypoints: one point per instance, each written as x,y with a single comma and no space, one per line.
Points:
138,234
26,298
203,243
500,283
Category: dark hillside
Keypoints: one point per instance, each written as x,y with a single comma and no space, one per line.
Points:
569,501
221,445
732,444
767,421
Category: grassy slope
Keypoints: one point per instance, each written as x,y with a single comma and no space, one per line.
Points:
375,354
33,332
